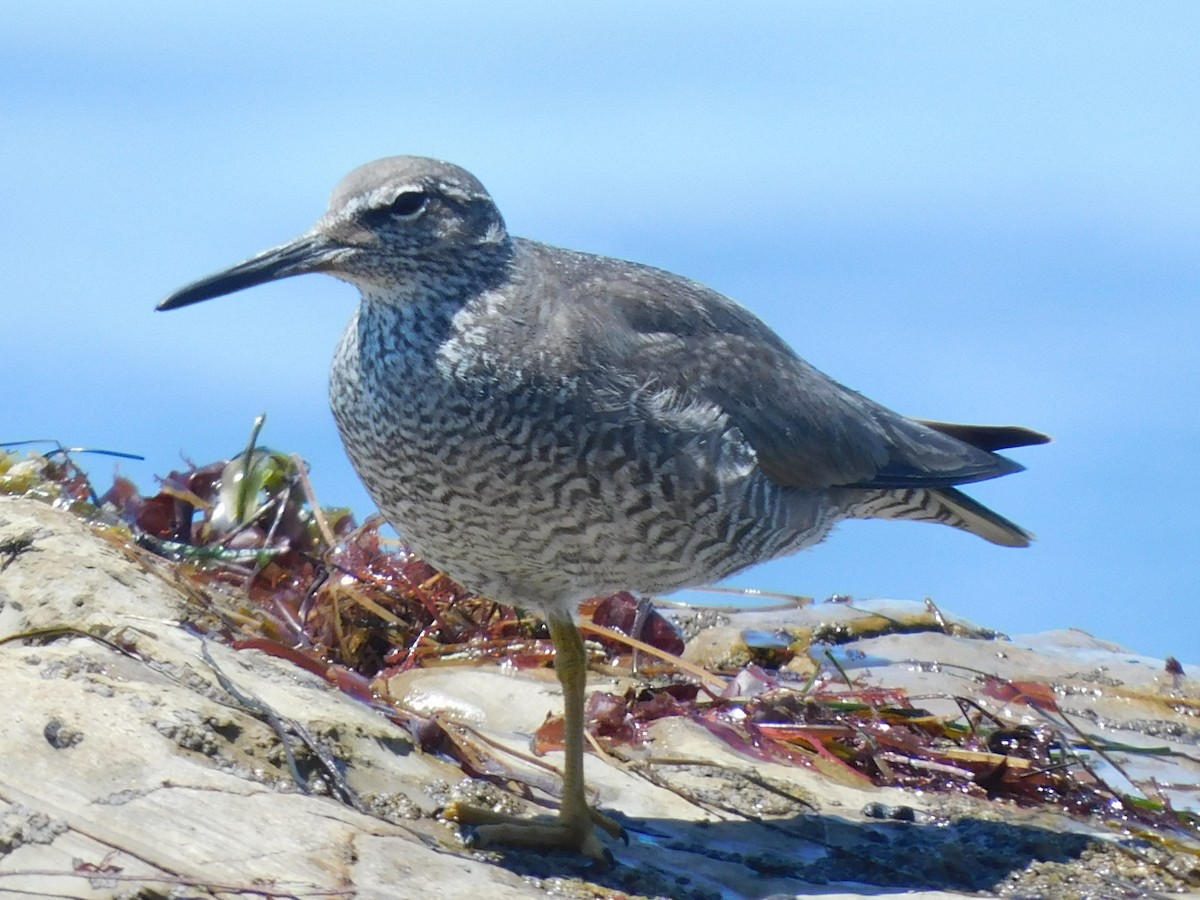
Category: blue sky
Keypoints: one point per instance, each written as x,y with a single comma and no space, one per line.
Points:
982,213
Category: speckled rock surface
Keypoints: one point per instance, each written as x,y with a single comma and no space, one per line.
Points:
129,770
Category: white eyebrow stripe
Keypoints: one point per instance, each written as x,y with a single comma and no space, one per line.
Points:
386,195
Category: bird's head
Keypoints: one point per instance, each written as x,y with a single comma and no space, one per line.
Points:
393,226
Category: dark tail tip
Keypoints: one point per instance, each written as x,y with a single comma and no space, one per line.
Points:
990,437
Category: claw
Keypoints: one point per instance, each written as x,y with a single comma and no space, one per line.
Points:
484,828
611,826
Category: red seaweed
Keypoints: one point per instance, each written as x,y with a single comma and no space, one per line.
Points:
310,586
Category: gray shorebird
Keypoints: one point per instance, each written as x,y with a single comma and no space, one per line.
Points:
547,426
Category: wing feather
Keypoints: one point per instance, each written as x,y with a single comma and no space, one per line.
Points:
644,326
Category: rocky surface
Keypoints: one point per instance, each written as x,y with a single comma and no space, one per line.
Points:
139,759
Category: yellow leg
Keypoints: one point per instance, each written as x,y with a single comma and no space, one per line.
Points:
570,664
575,827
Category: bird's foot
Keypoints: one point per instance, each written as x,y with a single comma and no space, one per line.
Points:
574,833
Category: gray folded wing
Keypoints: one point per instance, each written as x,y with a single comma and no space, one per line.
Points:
807,430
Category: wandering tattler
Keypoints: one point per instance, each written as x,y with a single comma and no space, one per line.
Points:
547,426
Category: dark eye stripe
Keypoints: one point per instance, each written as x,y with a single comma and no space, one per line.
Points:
408,203
406,206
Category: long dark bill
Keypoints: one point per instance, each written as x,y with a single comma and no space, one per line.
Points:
308,253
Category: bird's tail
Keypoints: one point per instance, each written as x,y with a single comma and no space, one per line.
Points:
989,437
943,506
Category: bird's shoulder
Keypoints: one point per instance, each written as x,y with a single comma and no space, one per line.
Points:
594,306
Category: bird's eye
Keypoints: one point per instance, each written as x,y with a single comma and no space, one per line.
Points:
409,203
